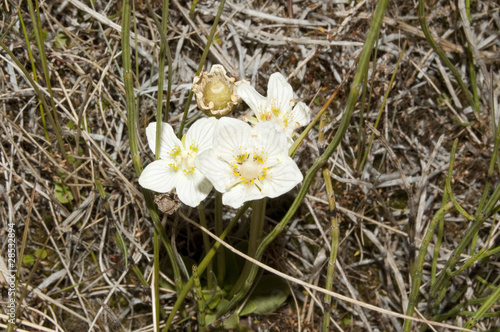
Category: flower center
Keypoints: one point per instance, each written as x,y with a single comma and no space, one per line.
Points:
184,157
250,170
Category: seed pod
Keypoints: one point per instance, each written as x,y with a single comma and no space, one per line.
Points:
215,92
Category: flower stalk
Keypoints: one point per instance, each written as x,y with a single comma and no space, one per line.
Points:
256,230
206,244
443,57
221,254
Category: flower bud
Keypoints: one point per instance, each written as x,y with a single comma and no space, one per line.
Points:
216,92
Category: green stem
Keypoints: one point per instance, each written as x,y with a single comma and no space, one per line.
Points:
311,174
32,62
439,240
416,277
164,51
156,280
206,244
221,254
202,62
438,290
199,298
362,124
256,228
470,56
480,255
335,246
381,109
442,55
193,7
52,113
490,301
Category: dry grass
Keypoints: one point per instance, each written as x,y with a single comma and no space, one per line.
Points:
315,45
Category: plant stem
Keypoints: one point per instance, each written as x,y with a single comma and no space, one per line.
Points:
202,62
221,254
442,55
490,301
416,277
438,289
35,77
164,50
201,301
379,116
206,244
52,113
256,228
335,246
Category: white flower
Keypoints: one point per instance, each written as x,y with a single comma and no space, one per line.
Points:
277,107
176,166
248,163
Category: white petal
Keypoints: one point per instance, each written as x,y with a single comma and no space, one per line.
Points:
193,188
230,137
279,90
271,139
167,141
301,114
252,98
241,194
158,176
218,172
284,177
201,133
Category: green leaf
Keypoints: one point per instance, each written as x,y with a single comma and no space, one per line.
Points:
212,299
230,323
28,260
63,193
270,293
41,253
347,320
71,125
60,40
